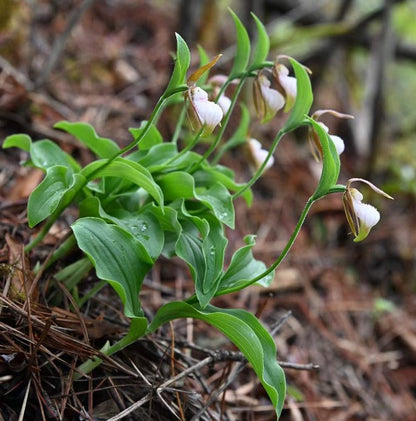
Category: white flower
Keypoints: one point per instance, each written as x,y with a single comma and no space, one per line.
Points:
223,101
258,154
360,216
206,113
338,142
267,101
287,83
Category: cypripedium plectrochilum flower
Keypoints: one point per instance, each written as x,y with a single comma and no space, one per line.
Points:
313,137
204,114
285,84
257,155
267,101
361,216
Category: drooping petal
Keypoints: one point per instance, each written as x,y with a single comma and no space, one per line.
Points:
208,114
268,101
287,83
339,143
258,154
364,216
225,103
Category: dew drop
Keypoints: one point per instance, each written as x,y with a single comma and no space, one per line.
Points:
223,215
144,227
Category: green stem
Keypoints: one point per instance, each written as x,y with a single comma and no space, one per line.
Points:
91,293
260,170
178,127
282,255
137,329
62,250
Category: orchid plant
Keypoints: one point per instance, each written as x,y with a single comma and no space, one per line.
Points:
153,198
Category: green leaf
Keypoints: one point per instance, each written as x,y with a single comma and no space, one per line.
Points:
179,184
22,141
304,98
242,269
117,257
246,332
182,61
189,248
242,54
330,162
154,158
46,154
151,138
261,49
128,170
86,134
202,245
218,198
145,228
57,189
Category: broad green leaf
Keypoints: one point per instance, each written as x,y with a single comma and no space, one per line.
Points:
218,198
125,169
213,247
210,175
242,269
330,161
154,158
304,98
58,188
86,134
182,61
189,247
151,138
45,154
202,245
168,220
246,332
117,257
242,54
22,141
261,49
179,184
145,228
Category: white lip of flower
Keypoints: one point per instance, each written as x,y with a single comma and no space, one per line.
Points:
360,216
268,101
207,113
338,142
259,154
223,101
287,83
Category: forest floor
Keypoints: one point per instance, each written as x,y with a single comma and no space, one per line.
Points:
343,314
